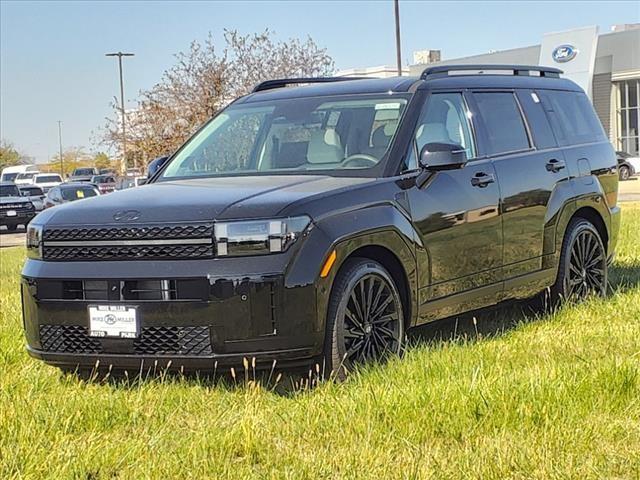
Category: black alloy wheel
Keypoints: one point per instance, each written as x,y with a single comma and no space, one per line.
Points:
365,321
583,263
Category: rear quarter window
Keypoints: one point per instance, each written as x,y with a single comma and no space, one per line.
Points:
572,117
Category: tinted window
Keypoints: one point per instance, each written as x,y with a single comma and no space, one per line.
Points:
48,178
503,122
9,191
31,190
572,117
444,119
84,171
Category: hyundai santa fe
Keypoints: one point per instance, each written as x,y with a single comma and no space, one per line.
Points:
317,220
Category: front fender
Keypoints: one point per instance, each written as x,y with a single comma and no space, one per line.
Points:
380,226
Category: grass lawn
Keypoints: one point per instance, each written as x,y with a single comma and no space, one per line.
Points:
556,396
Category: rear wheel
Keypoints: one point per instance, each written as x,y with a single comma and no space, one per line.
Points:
365,320
583,264
623,172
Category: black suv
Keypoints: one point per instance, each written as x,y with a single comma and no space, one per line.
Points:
15,209
316,220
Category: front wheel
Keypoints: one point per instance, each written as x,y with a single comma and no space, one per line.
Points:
12,228
583,264
624,173
365,320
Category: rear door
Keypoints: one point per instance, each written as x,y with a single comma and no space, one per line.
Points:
456,214
530,168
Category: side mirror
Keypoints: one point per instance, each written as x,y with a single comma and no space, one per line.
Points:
155,165
442,156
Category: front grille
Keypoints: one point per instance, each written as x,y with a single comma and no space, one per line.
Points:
188,289
192,341
173,341
130,232
133,252
129,242
67,339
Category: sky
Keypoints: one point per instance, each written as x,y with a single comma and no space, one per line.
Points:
52,63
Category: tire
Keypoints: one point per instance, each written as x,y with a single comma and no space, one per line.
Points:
582,270
12,228
352,337
624,173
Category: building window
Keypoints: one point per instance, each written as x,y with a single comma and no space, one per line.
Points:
628,116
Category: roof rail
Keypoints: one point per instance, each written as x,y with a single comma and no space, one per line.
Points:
520,70
283,82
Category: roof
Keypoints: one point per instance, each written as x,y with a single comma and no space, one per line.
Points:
405,84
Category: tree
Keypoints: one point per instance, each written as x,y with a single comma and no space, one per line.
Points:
9,156
203,81
73,157
102,160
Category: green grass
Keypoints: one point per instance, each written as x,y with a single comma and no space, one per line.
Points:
556,396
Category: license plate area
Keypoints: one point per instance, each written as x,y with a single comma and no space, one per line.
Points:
113,321
12,213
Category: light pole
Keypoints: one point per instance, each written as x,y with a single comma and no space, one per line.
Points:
398,49
60,144
124,137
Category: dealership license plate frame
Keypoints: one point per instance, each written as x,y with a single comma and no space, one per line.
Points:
124,321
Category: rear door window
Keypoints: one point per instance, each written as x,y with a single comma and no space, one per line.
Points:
572,117
504,125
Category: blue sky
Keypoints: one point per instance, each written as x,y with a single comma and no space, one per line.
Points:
52,63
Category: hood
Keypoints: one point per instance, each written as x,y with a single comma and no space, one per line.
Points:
200,199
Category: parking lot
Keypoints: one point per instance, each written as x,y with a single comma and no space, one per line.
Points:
11,239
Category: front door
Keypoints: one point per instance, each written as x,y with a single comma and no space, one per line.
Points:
457,216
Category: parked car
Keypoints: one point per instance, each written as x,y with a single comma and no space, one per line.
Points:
47,180
107,171
123,183
14,209
105,183
34,194
628,165
83,174
69,192
317,223
9,174
25,178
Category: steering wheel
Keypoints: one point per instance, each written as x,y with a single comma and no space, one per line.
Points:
359,160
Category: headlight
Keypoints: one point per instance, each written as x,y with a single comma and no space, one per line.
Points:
258,237
34,241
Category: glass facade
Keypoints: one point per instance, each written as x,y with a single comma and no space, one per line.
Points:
628,116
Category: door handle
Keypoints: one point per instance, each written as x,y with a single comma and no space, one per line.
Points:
482,179
554,165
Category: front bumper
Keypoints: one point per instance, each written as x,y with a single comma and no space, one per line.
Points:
193,315
22,217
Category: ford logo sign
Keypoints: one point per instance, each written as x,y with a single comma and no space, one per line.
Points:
126,215
564,53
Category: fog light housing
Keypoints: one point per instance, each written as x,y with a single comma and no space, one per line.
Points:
258,237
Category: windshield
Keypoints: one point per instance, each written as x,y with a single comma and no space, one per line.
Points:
301,135
23,176
84,171
77,193
31,190
9,191
47,178
102,180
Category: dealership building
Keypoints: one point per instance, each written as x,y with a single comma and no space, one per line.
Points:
606,66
